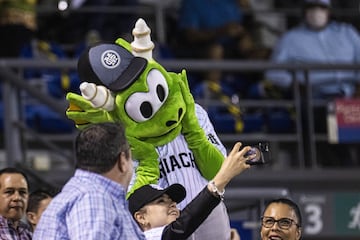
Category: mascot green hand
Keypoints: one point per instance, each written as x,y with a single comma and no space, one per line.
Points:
122,82
147,170
210,158
82,112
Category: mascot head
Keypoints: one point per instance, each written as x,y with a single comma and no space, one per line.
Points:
140,92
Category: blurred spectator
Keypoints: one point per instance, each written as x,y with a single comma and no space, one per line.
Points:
110,25
269,23
14,193
55,81
91,37
17,25
213,29
37,203
318,39
217,30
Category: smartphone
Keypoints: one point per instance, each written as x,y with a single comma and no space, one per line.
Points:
262,154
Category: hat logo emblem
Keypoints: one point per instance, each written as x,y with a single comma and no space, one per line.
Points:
110,59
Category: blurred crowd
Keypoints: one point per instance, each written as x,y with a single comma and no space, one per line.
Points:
301,31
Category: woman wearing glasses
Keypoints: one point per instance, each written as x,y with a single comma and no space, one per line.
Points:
281,220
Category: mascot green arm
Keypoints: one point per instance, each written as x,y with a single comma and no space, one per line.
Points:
207,157
83,113
147,172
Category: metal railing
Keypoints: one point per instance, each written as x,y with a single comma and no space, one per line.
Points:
12,83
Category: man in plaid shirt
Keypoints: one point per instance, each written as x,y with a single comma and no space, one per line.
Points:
13,202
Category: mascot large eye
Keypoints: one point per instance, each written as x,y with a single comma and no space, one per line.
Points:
141,106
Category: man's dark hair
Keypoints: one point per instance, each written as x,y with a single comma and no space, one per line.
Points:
98,147
35,198
291,204
12,170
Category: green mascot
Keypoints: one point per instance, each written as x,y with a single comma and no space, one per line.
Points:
171,137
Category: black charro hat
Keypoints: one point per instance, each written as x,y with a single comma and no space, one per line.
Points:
149,193
110,65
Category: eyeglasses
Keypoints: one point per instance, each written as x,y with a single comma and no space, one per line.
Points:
283,223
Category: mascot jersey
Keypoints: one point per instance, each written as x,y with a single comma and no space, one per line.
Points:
177,164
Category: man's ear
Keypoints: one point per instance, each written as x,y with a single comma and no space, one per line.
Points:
31,217
122,162
298,233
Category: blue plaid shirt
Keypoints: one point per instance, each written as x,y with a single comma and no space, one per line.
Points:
8,232
90,206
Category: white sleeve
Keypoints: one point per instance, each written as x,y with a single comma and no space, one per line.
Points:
154,233
206,124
